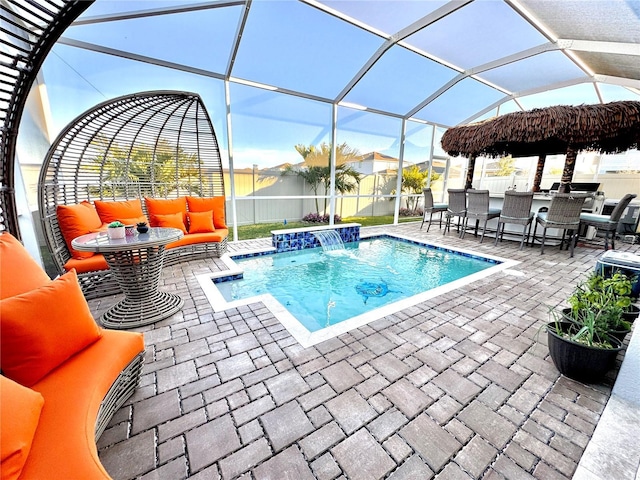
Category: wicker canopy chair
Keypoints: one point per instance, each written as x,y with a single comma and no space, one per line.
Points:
430,208
478,209
608,223
157,144
457,207
563,214
516,209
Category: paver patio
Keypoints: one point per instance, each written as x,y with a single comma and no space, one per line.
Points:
457,387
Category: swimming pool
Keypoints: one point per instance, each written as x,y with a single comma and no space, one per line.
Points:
318,294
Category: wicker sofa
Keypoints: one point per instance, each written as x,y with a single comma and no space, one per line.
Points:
131,149
63,377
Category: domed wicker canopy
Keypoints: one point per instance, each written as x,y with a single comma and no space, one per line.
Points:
157,144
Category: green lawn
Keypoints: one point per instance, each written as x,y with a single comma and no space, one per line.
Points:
263,230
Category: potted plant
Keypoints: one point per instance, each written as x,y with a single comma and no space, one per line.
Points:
142,227
115,230
609,297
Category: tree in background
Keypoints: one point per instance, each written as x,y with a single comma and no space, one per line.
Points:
316,169
413,182
506,166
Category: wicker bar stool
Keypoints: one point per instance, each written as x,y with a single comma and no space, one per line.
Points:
516,209
431,208
478,209
607,223
457,207
563,214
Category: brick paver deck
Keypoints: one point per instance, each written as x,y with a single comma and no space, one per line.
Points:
457,387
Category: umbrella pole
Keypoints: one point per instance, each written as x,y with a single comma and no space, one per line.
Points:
472,165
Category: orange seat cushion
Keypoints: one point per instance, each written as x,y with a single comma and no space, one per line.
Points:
205,204
200,222
128,212
194,238
20,410
163,206
76,220
72,393
172,220
20,272
44,327
95,263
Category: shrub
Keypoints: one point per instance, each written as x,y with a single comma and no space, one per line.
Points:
317,218
405,212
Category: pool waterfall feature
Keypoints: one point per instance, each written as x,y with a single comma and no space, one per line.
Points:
217,286
329,240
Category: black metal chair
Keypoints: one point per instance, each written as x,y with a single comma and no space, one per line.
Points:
516,209
478,209
431,208
457,207
563,214
607,223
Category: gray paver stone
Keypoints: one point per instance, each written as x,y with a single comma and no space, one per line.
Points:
212,441
476,456
245,459
134,456
155,410
386,424
286,386
390,366
287,465
492,427
362,458
350,410
409,399
321,440
285,425
457,386
325,467
413,469
431,441
235,366
341,376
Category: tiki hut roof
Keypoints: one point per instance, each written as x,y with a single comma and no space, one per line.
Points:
610,128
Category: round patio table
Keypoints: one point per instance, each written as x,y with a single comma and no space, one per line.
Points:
136,262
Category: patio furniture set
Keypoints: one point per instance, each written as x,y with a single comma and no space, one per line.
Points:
564,213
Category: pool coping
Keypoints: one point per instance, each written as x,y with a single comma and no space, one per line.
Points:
306,338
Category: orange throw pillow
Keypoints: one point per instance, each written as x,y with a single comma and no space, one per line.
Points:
43,328
20,272
201,222
205,204
164,206
20,409
76,220
173,220
119,211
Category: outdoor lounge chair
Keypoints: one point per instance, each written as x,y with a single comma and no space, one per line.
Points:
478,209
607,223
457,207
563,214
431,208
516,209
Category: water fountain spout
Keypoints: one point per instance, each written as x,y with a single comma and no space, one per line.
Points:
329,240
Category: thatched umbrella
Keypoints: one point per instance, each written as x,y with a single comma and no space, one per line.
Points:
610,128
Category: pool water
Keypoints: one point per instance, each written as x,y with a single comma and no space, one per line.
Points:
321,289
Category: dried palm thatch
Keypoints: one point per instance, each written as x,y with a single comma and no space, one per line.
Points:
609,128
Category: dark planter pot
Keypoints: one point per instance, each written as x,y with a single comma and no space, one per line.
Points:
580,362
619,334
631,315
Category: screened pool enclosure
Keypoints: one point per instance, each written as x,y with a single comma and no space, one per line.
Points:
291,85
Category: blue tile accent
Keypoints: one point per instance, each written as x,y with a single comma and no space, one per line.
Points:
304,238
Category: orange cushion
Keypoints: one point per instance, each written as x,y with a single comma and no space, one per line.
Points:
76,220
20,410
200,222
204,204
44,327
193,238
72,395
163,206
97,262
172,220
20,272
119,211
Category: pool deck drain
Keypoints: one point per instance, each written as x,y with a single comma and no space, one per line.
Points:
454,387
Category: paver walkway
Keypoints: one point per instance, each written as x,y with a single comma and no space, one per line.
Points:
457,387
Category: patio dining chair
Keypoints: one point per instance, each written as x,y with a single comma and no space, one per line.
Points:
563,214
607,223
478,209
457,207
431,208
516,209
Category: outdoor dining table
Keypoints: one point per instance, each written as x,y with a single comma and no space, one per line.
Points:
136,262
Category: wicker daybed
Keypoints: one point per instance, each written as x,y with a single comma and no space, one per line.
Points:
152,145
